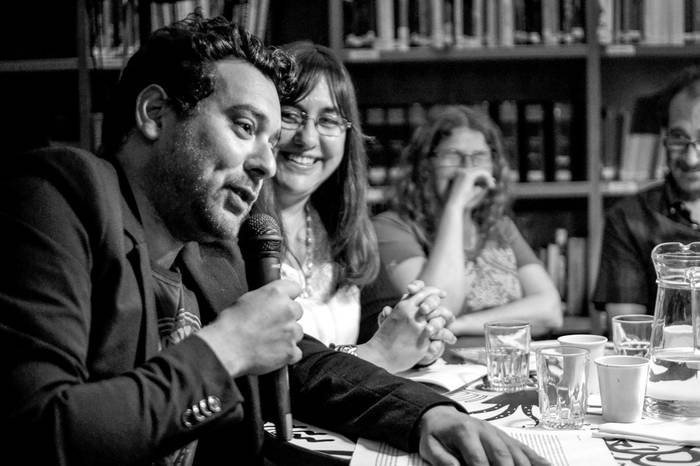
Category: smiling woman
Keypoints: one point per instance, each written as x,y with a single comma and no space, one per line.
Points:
331,249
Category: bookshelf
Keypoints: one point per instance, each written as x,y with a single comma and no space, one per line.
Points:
591,75
71,85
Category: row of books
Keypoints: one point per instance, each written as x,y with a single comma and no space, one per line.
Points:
401,24
113,29
565,262
114,24
652,22
539,137
630,152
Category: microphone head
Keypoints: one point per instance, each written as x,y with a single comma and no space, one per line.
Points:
260,232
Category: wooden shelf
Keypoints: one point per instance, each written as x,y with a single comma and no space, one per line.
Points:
626,188
108,63
40,64
549,190
650,51
428,54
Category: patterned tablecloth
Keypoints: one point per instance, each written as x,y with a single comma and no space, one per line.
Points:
518,409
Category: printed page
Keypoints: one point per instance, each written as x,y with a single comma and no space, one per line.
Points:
369,452
565,448
448,376
561,448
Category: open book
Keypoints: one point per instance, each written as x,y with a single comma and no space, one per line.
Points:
447,376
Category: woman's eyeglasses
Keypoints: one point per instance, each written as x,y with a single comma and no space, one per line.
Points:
327,124
458,159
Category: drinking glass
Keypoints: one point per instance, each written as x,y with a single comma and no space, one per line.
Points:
507,355
562,378
632,334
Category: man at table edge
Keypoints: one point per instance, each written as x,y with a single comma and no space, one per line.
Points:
111,264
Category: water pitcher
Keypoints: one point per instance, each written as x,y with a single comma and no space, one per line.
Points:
673,389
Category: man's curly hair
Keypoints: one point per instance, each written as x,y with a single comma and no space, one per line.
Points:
181,59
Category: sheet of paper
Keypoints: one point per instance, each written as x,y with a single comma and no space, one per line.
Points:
561,448
565,448
448,376
678,432
369,452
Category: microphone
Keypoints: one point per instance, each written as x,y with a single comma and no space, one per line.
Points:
260,241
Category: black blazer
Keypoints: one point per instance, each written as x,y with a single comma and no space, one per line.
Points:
84,380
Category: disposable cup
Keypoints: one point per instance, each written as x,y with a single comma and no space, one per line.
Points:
623,381
595,344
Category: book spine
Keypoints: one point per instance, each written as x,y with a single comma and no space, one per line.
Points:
506,20
477,21
550,22
566,15
421,37
491,23
261,24
508,122
548,144
437,38
458,23
562,141
534,142
359,24
676,21
385,25
620,21
519,22
636,13
402,29
533,21
448,32
605,22
608,162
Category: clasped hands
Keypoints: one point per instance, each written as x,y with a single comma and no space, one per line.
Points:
415,331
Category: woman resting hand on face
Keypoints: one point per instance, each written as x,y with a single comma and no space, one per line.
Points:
319,194
448,227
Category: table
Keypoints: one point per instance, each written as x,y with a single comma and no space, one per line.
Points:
315,446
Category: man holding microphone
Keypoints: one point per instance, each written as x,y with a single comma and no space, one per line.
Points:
113,264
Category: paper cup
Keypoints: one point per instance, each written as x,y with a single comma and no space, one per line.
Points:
595,344
623,381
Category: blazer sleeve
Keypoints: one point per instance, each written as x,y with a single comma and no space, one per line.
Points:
80,385
351,396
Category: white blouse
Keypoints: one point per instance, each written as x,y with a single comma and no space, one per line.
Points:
329,318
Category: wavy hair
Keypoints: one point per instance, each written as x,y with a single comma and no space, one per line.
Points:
181,59
417,198
341,200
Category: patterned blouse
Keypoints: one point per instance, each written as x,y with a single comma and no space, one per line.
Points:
491,277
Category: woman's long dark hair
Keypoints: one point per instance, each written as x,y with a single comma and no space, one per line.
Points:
341,200
417,198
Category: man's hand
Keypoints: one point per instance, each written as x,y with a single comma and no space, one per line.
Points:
450,438
260,332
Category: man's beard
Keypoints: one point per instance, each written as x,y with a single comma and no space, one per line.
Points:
183,199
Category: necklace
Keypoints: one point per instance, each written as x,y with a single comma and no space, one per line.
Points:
308,264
